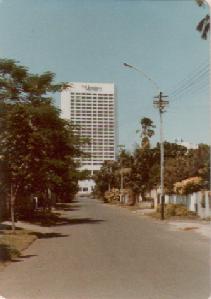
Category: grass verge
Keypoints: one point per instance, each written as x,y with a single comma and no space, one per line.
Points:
174,211
11,245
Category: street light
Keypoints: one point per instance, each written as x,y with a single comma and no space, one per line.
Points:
159,103
144,74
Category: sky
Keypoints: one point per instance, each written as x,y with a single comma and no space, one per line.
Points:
89,40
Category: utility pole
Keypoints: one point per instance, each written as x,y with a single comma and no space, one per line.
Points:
121,186
160,103
110,172
121,149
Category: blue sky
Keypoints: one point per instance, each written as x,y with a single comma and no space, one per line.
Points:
88,40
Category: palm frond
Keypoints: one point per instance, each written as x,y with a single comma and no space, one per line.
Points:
206,31
200,2
200,25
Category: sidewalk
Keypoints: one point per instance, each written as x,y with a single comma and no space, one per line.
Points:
200,226
144,212
31,227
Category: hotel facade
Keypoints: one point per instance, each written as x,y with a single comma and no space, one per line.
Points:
93,108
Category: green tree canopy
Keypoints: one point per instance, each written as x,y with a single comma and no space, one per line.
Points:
18,85
147,131
37,147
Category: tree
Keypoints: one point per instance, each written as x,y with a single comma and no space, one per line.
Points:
136,167
176,169
189,186
200,2
181,164
18,85
199,163
13,151
37,146
12,78
140,179
105,177
204,25
147,131
124,159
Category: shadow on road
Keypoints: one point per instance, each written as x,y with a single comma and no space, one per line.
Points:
84,221
48,235
27,256
67,207
74,221
21,258
55,219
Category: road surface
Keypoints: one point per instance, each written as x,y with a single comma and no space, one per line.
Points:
106,252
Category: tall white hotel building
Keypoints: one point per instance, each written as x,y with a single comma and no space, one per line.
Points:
93,107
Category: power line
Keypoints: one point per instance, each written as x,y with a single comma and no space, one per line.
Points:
200,68
193,77
192,88
190,82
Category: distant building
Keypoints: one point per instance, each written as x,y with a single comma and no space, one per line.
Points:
188,145
93,107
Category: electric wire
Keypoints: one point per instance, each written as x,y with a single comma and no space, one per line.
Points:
193,88
200,76
195,73
198,79
200,73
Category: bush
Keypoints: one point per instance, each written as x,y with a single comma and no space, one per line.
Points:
170,210
191,213
112,195
7,253
188,186
181,210
174,210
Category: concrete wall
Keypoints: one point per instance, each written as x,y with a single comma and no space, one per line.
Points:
199,202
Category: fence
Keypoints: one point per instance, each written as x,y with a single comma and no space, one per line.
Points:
199,202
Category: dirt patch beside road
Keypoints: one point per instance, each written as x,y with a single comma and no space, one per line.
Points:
12,245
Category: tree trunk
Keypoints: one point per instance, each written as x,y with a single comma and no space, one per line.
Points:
12,208
137,199
143,196
49,200
44,202
133,197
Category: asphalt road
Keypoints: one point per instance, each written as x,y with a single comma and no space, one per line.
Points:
105,252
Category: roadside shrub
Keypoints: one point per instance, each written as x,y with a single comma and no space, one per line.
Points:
7,253
191,213
207,218
112,195
181,210
174,210
170,210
